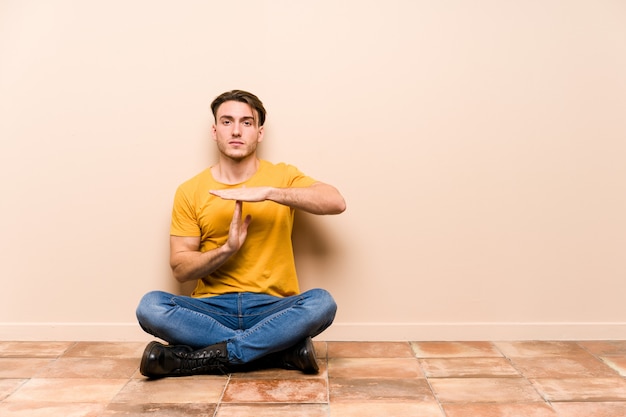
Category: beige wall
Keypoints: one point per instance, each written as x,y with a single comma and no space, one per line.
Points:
480,145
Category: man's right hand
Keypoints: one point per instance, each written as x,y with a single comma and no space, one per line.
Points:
238,229
188,263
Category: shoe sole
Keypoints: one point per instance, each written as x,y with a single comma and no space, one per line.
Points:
314,368
144,360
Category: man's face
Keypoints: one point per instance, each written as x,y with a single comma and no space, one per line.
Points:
236,130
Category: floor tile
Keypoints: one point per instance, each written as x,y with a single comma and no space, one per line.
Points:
374,368
379,409
540,348
369,350
582,389
380,390
321,349
276,390
578,366
22,367
9,385
467,390
275,373
132,350
107,368
33,349
272,410
160,410
44,409
618,363
500,410
423,379
68,390
605,348
172,391
593,409
468,367
454,349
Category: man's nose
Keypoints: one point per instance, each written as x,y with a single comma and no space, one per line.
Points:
236,130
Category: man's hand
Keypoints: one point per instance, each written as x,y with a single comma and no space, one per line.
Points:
252,194
238,229
188,263
318,198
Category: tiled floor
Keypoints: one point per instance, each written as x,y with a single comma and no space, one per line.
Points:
426,379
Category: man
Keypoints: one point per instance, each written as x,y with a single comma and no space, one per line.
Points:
231,232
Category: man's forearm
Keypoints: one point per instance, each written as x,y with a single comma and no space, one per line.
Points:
193,265
319,198
189,263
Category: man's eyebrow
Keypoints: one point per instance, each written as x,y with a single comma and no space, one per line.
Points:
227,116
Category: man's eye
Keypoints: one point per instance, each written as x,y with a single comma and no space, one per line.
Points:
247,123
226,122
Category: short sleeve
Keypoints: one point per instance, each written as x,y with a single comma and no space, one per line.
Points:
184,218
296,178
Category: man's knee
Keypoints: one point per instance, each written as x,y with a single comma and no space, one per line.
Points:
323,301
149,306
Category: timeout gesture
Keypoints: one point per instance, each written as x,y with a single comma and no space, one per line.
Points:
249,194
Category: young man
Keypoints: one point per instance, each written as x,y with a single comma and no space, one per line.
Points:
231,232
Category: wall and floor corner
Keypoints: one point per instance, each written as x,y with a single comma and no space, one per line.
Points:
480,147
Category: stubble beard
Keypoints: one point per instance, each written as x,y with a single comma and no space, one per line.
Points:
237,155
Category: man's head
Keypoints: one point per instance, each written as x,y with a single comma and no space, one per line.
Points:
242,97
238,128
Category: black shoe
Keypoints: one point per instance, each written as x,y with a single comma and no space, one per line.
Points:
301,357
160,360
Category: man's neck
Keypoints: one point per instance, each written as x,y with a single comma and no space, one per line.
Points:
230,171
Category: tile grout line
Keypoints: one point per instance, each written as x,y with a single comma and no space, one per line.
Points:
218,405
527,379
432,390
602,358
25,381
327,379
111,401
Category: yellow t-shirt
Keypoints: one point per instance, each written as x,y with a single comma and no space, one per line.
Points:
265,263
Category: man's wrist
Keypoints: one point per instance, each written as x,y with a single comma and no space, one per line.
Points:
224,250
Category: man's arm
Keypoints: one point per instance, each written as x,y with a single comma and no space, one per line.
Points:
188,263
318,198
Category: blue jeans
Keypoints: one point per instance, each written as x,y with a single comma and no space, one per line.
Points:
252,325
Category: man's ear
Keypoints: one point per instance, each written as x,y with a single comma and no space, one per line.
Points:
213,132
261,134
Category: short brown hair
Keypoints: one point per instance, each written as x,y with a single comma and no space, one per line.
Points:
243,97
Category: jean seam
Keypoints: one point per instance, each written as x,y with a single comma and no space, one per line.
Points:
179,306
179,302
260,325
277,306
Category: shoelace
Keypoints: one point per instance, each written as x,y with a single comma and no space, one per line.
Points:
207,360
